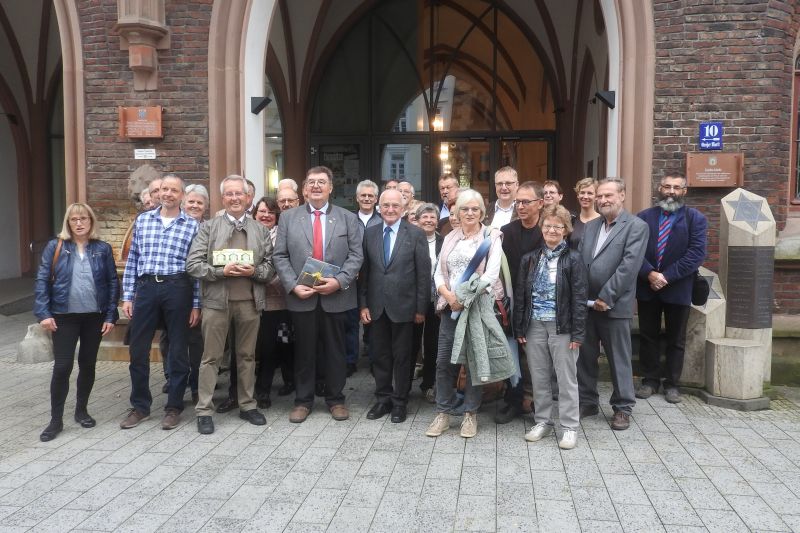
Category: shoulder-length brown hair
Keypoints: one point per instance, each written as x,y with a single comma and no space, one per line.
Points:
78,209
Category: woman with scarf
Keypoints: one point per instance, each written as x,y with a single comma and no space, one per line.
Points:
549,321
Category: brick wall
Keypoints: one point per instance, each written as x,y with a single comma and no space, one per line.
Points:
182,91
729,61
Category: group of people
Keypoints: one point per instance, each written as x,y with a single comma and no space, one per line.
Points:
473,286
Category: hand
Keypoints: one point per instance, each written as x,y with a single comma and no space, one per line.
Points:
600,305
657,280
238,270
194,317
106,329
456,305
127,309
574,345
303,292
419,318
366,318
327,286
522,340
49,324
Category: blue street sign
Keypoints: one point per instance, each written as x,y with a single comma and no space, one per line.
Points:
710,136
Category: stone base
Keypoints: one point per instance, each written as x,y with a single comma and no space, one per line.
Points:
752,404
734,368
36,347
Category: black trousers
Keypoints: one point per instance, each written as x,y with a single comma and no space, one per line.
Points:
675,319
72,327
391,343
426,335
311,327
271,354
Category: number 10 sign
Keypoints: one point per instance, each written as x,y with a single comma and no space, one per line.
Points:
710,136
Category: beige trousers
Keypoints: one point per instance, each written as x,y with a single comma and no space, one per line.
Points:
215,326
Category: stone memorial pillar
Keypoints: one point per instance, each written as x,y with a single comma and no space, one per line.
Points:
705,322
738,365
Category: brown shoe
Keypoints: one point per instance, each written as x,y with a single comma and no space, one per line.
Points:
340,412
172,417
133,419
621,421
299,414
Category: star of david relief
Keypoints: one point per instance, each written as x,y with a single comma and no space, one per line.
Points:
712,294
748,211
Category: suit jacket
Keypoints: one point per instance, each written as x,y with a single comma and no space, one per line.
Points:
342,246
683,255
490,209
613,271
373,220
403,287
512,246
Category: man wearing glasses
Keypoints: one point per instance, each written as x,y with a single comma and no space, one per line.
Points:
502,211
675,250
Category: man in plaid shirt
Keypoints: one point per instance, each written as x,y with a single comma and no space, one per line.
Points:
156,287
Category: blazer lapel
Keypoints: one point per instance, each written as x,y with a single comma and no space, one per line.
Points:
402,231
615,230
304,219
332,221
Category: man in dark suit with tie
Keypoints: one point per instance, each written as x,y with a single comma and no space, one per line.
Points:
327,232
394,291
612,249
675,250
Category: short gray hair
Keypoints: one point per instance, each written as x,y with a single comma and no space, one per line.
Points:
196,188
468,195
367,183
288,183
234,177
427,208
174,177
620,183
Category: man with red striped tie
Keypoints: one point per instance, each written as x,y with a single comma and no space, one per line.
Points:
675,250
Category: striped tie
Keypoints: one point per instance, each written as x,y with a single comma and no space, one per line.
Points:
664,230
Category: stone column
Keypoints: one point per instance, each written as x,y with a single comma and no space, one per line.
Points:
747,257
705,322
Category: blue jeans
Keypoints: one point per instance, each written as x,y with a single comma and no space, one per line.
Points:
171,300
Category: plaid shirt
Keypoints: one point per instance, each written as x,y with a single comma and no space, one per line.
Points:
156,250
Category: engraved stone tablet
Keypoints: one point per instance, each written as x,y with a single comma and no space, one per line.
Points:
750,270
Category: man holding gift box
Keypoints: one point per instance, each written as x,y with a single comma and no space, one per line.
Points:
233,291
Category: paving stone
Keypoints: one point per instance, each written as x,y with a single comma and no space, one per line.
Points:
378,463
556,515
673,508
600,526
584,474
613,462
192,516
515,499
320,506
778,497
728,481
445,466
407,478
367,491
593,503
625,489
439,495
272,517
102,493
64,520
350,519
396,511
545,455
551,485
513,523
702,494
35,512
756,514
635,518
475,513
719,521
511,469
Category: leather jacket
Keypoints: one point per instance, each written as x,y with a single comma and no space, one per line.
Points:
571,291
53,299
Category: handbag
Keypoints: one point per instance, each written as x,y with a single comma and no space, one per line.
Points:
700,290
502,308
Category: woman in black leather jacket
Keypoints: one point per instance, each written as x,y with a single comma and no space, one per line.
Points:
76,299
549,321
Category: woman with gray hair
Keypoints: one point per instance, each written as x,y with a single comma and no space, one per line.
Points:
426,335
466,306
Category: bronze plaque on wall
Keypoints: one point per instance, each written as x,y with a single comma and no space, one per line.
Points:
140,122
749,287
714,169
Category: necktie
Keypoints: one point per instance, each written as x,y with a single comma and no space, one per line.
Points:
387,245
317,244
664,230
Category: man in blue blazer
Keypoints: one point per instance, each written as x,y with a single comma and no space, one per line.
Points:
394,291
675,250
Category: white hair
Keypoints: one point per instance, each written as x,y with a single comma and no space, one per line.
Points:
468,195
367,183
234,177
196,188
288,183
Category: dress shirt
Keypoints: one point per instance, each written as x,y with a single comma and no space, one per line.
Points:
502,216
393,235
602,236
159,250
323,220
444,212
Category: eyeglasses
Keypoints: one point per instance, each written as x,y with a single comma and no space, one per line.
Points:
315,183
672,187
288,201
526,203
471,209
82,220
234,194
553,227
550,193
507,184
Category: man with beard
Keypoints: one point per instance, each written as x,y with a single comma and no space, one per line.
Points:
612,249
675,250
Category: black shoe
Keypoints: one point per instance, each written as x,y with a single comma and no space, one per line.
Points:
351,369
227,405
286,390
205,425
253,416
508,414
83,418
398,414
645,390
379,410
53,428
165,387
587,410
263,401
319,389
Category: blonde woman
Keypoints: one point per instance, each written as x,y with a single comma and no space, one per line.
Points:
76,299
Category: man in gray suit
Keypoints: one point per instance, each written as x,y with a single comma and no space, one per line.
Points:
612,248
394,290
331,234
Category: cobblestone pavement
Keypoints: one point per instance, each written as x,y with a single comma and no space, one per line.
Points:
679,468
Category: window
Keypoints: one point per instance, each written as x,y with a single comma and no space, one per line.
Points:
397,170
794,190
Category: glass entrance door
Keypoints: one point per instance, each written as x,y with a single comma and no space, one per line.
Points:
468,160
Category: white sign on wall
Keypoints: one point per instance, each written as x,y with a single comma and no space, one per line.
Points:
144,153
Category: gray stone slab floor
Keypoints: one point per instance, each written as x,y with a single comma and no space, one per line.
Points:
681,468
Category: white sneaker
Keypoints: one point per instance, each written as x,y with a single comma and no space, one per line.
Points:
439,425
568,439
469,426
538,432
